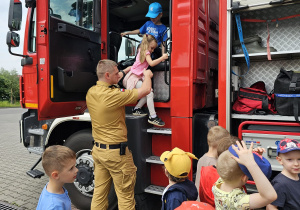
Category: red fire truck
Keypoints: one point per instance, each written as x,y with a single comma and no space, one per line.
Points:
194,90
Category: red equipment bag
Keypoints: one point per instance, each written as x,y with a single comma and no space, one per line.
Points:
254,100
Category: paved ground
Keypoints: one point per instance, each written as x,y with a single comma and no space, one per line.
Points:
16,187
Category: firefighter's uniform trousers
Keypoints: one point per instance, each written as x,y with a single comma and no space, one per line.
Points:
107,110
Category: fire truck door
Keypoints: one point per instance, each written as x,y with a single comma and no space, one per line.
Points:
68,48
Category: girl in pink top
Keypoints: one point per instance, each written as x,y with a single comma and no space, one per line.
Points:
134,78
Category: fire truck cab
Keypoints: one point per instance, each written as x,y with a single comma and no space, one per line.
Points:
63,42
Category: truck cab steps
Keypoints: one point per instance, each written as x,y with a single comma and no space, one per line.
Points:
36,150
35,173
153,189
154,159
38,132
155,130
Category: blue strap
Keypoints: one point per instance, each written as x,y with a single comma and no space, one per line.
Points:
240,31
287,95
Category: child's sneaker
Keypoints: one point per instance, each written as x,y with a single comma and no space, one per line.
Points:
156,121
138,112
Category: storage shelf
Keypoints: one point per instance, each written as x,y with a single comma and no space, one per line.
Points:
269,117
255,5
263,56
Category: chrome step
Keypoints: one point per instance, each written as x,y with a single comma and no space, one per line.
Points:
39,132
36,150
154,159
153,189
166,131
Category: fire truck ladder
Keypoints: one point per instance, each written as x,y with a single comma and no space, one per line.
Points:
153,189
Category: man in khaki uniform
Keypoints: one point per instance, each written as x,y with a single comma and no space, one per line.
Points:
112,159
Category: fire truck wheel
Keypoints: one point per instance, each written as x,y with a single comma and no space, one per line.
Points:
81,191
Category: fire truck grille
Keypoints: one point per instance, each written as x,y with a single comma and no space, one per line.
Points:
5,206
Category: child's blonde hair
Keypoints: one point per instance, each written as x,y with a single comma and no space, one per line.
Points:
228,168
147,39
215,134
225,143
55,158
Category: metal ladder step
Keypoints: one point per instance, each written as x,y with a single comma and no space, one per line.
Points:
35,173
154,159
153,189
38,132
36,150
155,130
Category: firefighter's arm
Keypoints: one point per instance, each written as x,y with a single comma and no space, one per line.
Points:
156,61
271,207
137,31
146,86
122,73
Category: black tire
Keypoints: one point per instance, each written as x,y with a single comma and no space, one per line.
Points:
78,141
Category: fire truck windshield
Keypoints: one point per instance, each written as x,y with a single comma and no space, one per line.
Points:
78,12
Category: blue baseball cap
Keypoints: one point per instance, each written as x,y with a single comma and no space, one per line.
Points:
154,10
287,145
262,163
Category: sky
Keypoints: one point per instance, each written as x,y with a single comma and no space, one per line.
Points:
8,61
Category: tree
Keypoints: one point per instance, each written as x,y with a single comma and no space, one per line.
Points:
3,89
9,85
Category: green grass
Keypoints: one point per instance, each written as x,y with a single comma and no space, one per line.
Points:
8,104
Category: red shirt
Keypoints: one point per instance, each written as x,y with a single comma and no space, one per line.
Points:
209,176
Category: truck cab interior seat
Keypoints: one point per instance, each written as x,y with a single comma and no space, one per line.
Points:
115,44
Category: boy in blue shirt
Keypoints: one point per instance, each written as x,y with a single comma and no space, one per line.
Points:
287,183
59,164
153,27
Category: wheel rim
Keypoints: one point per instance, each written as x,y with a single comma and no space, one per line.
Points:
85,176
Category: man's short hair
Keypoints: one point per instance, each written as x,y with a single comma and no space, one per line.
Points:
228,168
225,143
104,66
215,134
55,158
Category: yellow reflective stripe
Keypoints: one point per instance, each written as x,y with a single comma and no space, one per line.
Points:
27,105
51,87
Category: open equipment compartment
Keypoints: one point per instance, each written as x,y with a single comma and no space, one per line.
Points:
284,37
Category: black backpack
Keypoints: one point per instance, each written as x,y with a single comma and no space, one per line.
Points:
287,93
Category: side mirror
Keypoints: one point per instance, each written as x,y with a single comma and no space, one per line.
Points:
12,39
30,3
129,48
15,15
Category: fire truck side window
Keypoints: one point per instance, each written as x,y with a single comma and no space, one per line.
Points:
32,35
78,12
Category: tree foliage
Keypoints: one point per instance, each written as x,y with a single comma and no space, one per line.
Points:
9,85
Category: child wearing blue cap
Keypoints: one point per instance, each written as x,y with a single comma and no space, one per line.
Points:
154,27
228,190
287,183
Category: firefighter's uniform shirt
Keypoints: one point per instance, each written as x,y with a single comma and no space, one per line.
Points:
107,109
237,199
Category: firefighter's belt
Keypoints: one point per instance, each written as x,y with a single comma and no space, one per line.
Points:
110,146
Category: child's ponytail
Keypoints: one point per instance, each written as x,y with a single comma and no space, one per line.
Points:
147,39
